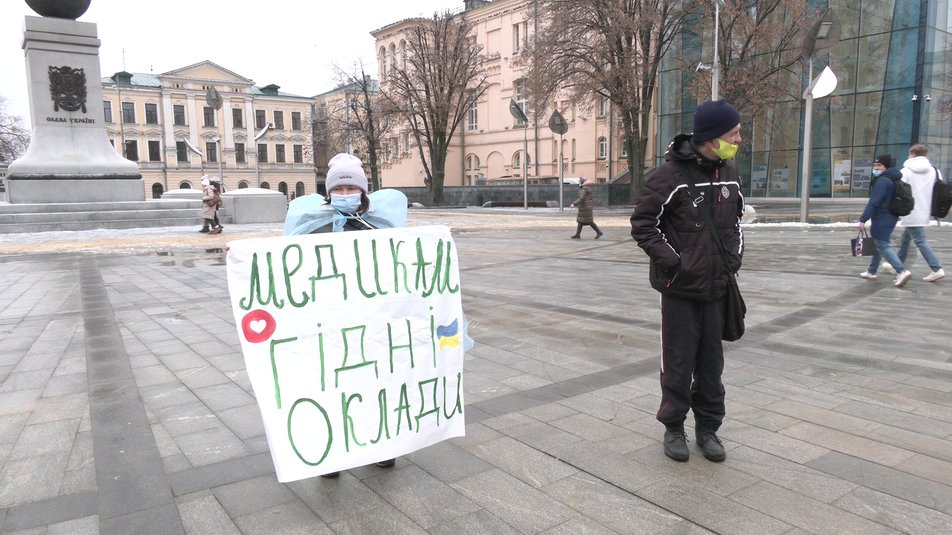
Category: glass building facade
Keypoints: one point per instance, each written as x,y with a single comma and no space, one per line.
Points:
892,64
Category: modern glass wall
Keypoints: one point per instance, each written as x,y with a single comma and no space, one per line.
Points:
892,64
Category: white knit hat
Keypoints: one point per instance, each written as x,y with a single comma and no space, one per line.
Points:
206,181
345,169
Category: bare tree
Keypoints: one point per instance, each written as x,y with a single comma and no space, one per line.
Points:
14,138
610,49
758,52
364,116
441,77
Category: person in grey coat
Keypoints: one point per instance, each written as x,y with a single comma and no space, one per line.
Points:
585,204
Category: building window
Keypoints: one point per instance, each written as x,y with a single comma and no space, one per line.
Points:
128,112
155,153
279,153
260,119
132,150
472,117
624,148
239,153
602,148
299,189
603,107
298,153
383,64
406,142
517,164
519,36
265,185
209,115
262,153
243,185
107,111
295,120
178,115
237,118
181,151
521,100
279,120
472,163
211,152
151,114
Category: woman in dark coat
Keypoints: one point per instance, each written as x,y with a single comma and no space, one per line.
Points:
585,203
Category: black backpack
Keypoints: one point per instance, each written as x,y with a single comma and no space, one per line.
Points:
902,200
941,196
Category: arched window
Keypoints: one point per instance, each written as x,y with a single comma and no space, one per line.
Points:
185,185
265,185
157,191
472,162
403,54
383,63
283,188
602,148
517,164
393,57
242,185
299,189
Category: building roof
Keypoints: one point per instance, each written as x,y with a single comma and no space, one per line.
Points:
138,79
350,87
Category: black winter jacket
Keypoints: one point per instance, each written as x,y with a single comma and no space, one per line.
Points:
685,261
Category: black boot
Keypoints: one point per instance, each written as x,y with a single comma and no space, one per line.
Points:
676,444
710,445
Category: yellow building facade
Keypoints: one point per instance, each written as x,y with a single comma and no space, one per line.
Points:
489,145
168,123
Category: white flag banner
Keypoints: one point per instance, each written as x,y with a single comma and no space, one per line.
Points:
353,342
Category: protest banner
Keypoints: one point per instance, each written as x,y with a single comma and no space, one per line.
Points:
353,342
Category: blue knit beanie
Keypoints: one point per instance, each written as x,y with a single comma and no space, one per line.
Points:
713,119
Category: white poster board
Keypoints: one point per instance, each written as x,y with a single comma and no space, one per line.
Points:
353,342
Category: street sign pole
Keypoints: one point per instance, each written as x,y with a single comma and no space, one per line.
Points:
558,125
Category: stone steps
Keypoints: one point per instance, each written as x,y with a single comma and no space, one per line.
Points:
101,215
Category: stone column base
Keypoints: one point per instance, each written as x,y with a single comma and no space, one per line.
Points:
52,190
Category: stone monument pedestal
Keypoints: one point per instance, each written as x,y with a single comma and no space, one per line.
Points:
69,158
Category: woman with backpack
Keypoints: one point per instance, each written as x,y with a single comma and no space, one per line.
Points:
883,220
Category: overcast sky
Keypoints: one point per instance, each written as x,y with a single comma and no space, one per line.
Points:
291,43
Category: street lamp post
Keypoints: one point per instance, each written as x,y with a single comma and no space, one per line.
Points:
519,115
716,67
824,34
559,126
214,100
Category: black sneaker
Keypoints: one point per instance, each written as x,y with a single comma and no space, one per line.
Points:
204,230
710,445
331,475
676,444
387,464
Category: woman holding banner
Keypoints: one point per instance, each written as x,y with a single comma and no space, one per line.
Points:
347,207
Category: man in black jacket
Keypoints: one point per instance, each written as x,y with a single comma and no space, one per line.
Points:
687,268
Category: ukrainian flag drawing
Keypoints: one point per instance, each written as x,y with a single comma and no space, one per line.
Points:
448,335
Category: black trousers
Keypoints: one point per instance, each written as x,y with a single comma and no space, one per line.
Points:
578,231
692,361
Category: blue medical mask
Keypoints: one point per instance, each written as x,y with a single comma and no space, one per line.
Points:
347,204
877,172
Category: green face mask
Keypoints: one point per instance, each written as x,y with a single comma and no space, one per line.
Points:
726,151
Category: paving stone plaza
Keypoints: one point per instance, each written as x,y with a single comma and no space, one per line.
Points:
125,407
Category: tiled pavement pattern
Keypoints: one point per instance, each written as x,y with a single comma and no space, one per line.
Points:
125,407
